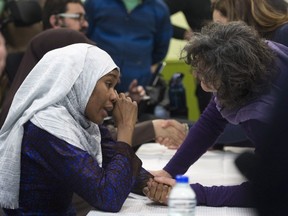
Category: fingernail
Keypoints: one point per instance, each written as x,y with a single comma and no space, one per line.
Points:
145,190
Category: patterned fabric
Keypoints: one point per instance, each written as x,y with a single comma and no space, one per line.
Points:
56,103
52,169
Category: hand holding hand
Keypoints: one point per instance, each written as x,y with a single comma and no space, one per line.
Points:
158,189
170,133
160,173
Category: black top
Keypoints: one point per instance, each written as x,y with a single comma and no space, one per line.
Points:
196,13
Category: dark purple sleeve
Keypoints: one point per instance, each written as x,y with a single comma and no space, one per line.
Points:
110,147
105,188
201,136
232,196
141,175
143,132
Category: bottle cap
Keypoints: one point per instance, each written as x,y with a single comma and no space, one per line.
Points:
182,179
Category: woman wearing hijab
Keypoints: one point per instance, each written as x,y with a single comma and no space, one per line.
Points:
55,38
172,134
52,144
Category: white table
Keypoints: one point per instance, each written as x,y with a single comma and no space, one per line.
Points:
213,168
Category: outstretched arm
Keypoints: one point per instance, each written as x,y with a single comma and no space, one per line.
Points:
158,190
170,133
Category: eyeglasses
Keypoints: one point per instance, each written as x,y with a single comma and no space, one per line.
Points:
77,16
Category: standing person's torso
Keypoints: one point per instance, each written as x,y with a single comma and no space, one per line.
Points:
129,37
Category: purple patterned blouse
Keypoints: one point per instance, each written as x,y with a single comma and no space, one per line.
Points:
52,170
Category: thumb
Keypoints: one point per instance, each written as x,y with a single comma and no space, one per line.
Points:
166,124
165,180
145,191
133,84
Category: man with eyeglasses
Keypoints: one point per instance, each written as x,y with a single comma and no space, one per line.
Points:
64,14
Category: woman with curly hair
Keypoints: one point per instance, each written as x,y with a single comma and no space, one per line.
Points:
246,74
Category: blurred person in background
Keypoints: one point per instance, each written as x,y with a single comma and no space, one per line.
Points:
269,18
53,14
64,14
135,33
3,53
19,22
196,13
3,78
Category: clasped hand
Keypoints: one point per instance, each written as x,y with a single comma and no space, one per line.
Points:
169,133
125,116
159,187
125,111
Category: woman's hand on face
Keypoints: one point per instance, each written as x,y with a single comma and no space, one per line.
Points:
125,116
170,133
125,111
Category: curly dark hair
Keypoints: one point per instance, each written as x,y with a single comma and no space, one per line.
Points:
233,59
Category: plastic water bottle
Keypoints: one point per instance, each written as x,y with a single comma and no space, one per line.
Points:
182,198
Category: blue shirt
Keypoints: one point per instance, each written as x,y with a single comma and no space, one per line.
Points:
135,40
281,35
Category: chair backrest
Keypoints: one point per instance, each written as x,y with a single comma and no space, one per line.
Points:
22,12
13,61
